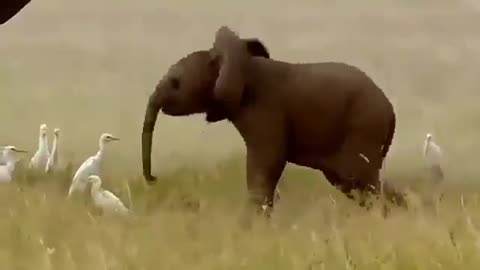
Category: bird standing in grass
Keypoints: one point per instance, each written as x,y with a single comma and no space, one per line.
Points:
433,156
2,158
7,169
104,199
40,158
91,166
52,162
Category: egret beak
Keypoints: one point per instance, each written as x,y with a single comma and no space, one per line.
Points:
20,151
115,139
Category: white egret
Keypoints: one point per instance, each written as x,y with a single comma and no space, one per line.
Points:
40,158
2,158
433,156
7,169
105,199
52,162
91,166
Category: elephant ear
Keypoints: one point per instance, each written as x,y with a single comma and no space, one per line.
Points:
233,58
256,48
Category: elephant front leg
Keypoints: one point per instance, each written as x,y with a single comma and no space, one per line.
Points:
264,168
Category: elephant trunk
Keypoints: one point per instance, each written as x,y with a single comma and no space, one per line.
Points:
151,114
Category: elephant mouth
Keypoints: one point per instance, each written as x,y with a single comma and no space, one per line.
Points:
167,110
174,108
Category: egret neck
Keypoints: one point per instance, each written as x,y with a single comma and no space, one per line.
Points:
10,161
101,149
54,149
427,144
43,144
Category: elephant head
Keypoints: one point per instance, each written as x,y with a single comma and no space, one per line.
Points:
206,81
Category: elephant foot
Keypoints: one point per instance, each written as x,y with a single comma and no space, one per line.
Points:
256,208
266,209
364,199
151,180
369,195
395,197
247,218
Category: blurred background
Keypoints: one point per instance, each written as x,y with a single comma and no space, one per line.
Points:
88,67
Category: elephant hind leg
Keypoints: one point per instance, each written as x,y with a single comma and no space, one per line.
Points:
356,166
347,187
394,196
367,191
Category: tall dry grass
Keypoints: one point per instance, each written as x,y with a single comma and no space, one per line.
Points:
88,67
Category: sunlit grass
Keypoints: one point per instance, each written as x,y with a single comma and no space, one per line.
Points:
193,218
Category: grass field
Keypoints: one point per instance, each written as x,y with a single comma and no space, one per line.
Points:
87,67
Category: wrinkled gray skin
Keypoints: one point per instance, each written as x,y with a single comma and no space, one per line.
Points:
327,116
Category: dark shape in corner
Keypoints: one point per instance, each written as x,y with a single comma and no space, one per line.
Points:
9,8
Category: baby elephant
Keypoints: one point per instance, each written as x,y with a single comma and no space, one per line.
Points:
327,116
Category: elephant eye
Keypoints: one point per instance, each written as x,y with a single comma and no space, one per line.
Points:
175,83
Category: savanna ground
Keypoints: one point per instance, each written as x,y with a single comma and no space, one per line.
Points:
88,67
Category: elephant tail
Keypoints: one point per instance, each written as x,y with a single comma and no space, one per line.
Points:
389,138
